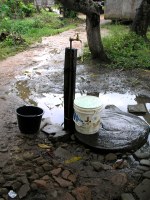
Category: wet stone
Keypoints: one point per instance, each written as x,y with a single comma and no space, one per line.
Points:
139,108
56,172
110,157
99,166
65,174
63,183
39,170
119,179
147,174
23,191
145,162
72,178
40,161
52,129
47,167
16,185
62,153
29,172
141,155
41,183
142,167
2,180
132,132
45,178
82,192
33,177
68,196
143,190
23,180
127,196
34,186
3,191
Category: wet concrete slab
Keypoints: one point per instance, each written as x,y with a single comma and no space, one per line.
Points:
120,131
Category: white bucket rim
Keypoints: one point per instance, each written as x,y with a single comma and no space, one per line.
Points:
88,102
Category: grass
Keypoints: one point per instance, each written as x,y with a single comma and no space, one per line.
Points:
31,30
125,49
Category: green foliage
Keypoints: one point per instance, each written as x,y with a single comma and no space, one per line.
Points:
23,32
124,48
15,9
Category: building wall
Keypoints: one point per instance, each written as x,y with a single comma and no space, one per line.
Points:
121,9
42,3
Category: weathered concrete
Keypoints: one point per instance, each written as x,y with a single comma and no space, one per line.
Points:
119,131
120,9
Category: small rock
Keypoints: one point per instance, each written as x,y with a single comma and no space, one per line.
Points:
33,177
127,196
3,191
41,183
142,167
56,172
147,174
52,129
110,157
40,161
47,167
23,180
119,179
28,156
45,178
23,191
140,155
72,178
10,177
100,158
2,180
139,108
65,174
68,196
145,162
143,190
28,172
82,193
34,186
62,153
39,170
62,182
99,166
16,185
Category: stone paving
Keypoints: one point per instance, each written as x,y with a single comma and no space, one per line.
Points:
40,169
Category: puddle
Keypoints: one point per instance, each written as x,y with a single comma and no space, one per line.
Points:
53,103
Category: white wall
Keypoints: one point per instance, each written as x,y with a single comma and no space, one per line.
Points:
121,9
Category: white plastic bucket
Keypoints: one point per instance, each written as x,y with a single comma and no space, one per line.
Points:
87,114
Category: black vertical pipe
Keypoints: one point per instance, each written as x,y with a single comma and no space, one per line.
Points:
69,87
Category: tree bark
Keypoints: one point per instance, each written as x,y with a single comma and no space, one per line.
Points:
91,10
94,37
142,19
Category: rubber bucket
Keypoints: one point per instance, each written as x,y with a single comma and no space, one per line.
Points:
29,119
87,114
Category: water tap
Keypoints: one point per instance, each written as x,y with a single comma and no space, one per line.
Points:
74,39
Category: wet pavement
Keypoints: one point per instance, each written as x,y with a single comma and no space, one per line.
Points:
38,167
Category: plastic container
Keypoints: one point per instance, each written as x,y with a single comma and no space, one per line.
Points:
87,114
29,119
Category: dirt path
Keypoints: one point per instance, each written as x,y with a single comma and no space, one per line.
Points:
39,174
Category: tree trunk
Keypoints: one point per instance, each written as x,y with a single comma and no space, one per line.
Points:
142,19
91,10
94,36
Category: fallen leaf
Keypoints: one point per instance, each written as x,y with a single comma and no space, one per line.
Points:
73,159
44,146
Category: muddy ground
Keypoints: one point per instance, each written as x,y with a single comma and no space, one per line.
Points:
37,172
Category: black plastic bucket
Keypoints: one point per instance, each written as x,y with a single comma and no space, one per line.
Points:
29,119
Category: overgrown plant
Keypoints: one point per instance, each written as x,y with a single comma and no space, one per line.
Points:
125,49
15,9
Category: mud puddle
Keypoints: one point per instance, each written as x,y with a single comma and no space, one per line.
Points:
53,103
